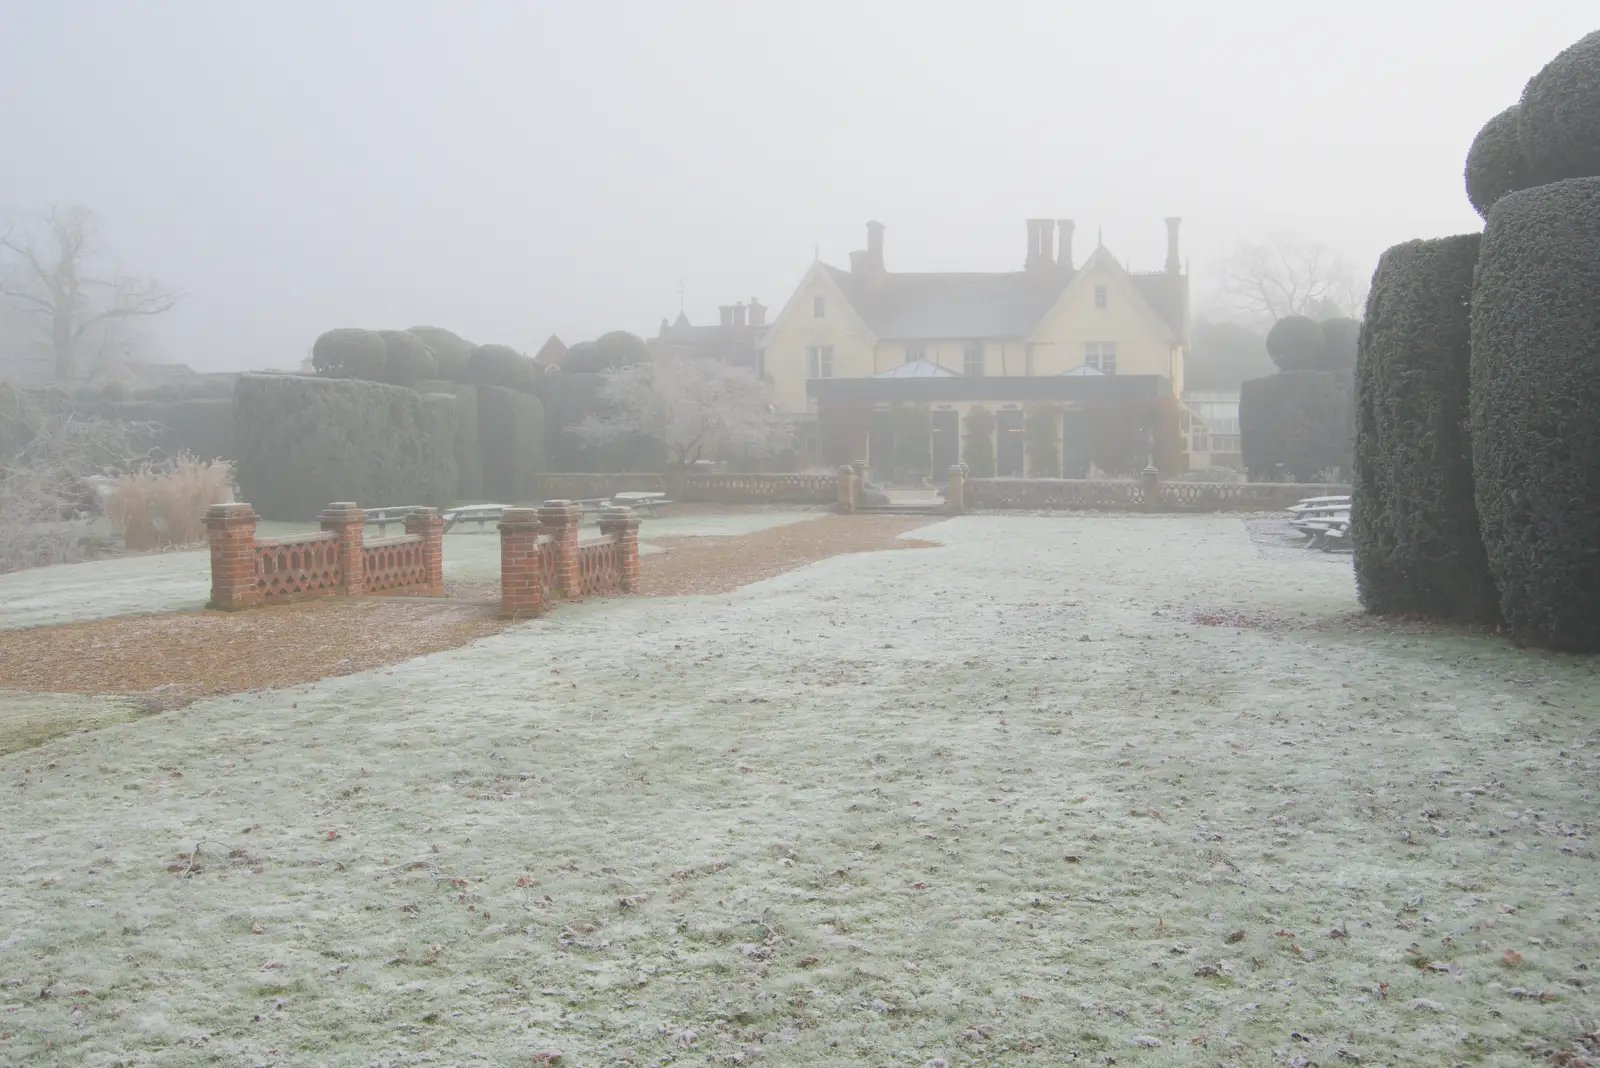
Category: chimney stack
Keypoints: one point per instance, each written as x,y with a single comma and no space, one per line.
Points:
758,313
1041,242
726,312
1172,244
1064,258
875,244
738,314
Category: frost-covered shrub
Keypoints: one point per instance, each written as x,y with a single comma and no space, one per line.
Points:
1534,397
1417,547
407,361
450,350
501,365
350,353
1558,122
1495,165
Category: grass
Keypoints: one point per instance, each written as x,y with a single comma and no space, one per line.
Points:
1003,801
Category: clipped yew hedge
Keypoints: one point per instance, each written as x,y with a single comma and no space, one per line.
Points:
300,443
1558,121
510,442
1417,546
1495,165
1534,401
1300,419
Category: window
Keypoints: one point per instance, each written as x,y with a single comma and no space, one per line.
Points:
1197,441
1099,296
819,307
819,361
914,353
1101,355
972,360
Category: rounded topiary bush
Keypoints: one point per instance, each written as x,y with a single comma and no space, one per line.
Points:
1495,165
1295,343
450,350
1558,123
350,353
1339,342
1299,421
608,352
407,361
501,365
1534,398
1417,545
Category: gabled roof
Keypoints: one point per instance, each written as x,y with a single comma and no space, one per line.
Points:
955,305
917,369
551,352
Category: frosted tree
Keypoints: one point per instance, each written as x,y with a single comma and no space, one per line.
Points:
694,408
54,268
1285,275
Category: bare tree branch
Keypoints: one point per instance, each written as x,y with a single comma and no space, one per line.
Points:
1285,276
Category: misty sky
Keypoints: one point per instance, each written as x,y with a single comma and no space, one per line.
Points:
512,169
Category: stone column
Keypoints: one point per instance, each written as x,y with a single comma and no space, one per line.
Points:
231,531
521,592
955,494
560,520
429,524
622,526
847,489
1150,488
349,522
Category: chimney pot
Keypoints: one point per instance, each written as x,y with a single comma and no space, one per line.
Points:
875,243
758,313
726,311
1041,239
1172,243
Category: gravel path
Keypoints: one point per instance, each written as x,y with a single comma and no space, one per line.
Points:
997,802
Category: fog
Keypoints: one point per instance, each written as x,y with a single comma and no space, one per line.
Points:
509,170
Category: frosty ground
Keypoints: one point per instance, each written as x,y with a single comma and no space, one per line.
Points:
1017,799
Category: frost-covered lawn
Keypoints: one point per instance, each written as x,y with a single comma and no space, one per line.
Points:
181,581
997,802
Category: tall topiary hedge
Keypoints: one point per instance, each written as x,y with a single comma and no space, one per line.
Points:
511,442
1535,395
450,350
1558,121
350,353
501,365
1041,431
1418,550
469,455
1302,420
407,361
301,443
1495,165
1296,343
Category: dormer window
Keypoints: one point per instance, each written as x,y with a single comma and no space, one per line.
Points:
1099,296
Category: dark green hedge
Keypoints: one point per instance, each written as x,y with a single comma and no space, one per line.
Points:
407,360
450,350
1340,338
1536,410
301,443
1558,123
1300,419
510,442
501,365
1495,165
608,352
350,353
1296,343
201,427
469,455
1417,545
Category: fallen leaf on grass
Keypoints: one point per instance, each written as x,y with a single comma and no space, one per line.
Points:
806,962
1237,936
1511,958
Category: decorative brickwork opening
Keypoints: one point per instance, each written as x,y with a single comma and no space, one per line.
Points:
543,562
288,569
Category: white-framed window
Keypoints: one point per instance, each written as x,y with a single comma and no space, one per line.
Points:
819,361
1197,442
1099,296
819,307
1101,355
915,353
972,359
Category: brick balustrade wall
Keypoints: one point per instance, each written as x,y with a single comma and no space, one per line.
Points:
542,560
247,571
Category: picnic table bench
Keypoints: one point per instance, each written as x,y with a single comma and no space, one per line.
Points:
481,514
484,514
1325,522
394,513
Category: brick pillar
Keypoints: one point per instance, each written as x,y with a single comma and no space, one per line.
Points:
231,530
428,523
520,582
349,522
847,489
560,520
1150,488
622,525
955,494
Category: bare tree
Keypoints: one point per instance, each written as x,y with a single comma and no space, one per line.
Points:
693,407
56,271
1285,275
